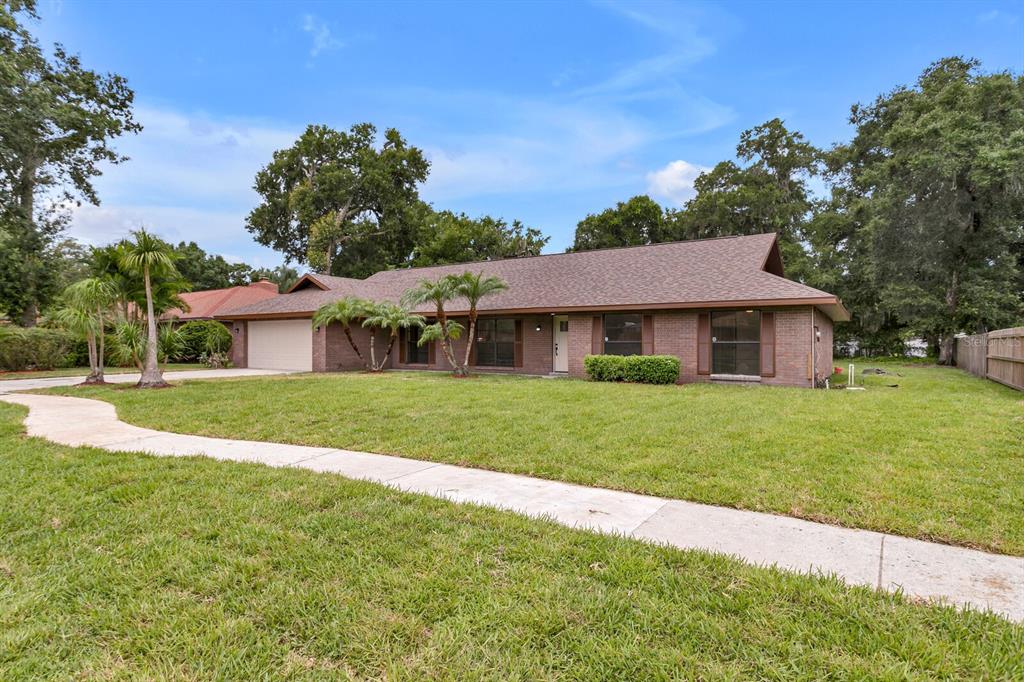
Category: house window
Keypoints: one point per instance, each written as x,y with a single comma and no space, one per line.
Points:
415,354
496,343
623,334
736,343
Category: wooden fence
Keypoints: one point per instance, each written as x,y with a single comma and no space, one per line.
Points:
997,355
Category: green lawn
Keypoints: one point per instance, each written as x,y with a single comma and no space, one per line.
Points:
83,371
121,566
940,458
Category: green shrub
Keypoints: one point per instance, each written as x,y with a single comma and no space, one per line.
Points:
36,348
202,337
639,369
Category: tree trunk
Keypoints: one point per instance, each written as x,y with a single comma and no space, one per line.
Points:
95,375
446,341
469,341
351,342
373,356
151,377
946,349
101,359
29,315
27,204
391,344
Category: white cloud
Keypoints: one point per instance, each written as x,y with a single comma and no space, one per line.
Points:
189,178
684,45
513,144
323,39
674,181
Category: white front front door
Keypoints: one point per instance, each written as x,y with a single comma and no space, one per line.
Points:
561,341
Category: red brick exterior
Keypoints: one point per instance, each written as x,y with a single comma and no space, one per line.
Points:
333,353
239,343
675,333
537,349
823,346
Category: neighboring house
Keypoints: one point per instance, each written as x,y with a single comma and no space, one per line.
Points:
207,305
721,305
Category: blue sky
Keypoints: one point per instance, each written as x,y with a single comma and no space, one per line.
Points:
539,111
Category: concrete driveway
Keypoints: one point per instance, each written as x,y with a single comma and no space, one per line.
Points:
11,385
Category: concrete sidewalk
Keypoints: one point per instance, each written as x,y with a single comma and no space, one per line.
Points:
922,569
49,382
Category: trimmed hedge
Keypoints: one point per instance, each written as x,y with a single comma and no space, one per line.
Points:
639,369
202,338
36,348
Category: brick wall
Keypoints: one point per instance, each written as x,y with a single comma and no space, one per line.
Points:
792,347
580,330
675,333
332,352
537,350
239,343
823,347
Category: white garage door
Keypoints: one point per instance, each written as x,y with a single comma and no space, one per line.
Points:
281,344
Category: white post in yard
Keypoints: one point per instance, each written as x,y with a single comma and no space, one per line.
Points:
849,381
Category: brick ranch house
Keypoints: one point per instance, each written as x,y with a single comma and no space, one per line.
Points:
722,306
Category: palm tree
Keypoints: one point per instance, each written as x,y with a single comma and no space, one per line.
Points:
392,318
473,288
344,312
85,309
444,331
149,256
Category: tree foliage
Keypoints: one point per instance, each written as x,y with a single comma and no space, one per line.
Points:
635,222
58,122
339,202
937,171
445,237
204,271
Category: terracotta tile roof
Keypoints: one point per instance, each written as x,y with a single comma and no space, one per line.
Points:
205,305
715,272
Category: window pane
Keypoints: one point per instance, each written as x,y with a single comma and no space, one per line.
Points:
505,353
623,327
723,326
748,326
496,343
723,359
736,347
748,359
411,350
623,348
505,331
414,353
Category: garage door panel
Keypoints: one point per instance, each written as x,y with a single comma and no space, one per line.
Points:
281,344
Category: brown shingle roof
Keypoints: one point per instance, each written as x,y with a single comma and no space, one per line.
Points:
716,272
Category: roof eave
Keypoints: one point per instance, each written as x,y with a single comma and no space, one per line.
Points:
831,305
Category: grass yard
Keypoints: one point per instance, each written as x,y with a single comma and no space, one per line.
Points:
121,566
83,371
939,458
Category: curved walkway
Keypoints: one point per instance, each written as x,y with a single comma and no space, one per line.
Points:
921,569
32,383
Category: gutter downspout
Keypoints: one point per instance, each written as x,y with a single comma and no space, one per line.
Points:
814,352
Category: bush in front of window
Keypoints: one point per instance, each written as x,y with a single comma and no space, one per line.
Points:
638,369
